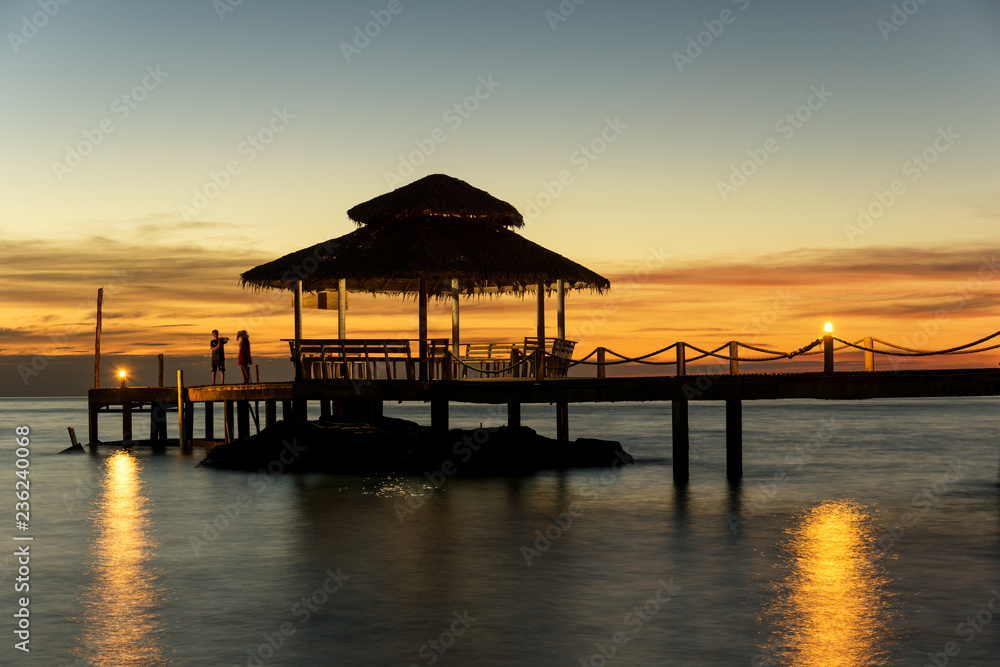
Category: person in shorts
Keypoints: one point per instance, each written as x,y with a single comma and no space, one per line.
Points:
218,346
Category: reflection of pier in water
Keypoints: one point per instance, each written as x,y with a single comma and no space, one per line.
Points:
120,621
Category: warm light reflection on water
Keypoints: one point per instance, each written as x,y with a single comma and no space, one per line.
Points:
121,607
831,609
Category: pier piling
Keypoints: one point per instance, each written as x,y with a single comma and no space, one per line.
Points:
562,422
734,440
681,442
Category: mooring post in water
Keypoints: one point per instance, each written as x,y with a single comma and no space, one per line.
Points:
734,439
681,444
513,415
562,421
181,426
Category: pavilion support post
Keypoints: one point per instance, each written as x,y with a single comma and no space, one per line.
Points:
243,419
422,308
562,422
209,420
540,331
734,440
97,344
297,299
439,415
455,291
514,415
270,411
342,308
681,442
869,355
560,309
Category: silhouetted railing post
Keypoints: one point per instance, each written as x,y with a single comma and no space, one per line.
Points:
681,370
869,355
602,370
734,353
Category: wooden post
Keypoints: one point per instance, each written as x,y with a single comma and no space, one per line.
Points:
270,412
227,419
562,422
869,356
181,431
189,423
242,419
439,415
539,364
93,410
72,436
828,353
324,408
734,439
159,359
297,301
681,364
514,415
422,326
158,420
342,308
209,420
602,370
97,344
455,291
560,309
126,418
540,318
681,443
446,366
734,353
286,410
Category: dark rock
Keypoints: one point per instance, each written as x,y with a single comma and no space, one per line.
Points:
399,446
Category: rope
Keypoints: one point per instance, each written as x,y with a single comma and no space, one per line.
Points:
913,352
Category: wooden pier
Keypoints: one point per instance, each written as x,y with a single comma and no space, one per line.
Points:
363,399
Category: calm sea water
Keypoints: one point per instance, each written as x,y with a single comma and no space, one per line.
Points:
864,533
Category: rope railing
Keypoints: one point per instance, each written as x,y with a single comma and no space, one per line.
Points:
827,345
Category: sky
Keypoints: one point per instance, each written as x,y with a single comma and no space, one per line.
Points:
738,169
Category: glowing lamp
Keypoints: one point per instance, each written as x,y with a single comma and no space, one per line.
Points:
121,374
828,327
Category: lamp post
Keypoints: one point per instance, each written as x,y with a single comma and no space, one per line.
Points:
828,348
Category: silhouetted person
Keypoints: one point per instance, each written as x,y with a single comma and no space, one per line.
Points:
218,346
244,359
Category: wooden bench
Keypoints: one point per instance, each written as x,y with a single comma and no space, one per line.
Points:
560,352
352,358
489,357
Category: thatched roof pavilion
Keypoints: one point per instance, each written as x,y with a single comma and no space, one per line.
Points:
436,236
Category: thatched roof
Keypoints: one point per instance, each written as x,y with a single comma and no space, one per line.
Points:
436,197
377,258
